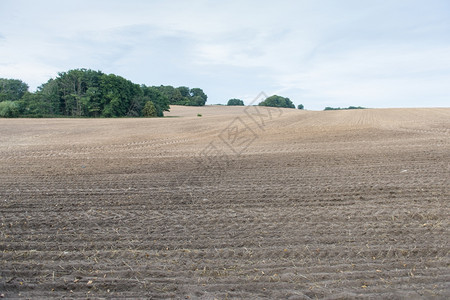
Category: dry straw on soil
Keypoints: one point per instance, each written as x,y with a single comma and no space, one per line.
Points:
239,203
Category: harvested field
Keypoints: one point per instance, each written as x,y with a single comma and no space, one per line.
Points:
243,202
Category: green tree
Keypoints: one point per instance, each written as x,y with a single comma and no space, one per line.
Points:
173,95
277,101
48,95
184,91
235,102
300,106
35,105
74,93
12,89
160,100
84,92
344,108
183,95
117,95
72,87
198,97
149,110
9,109
92,101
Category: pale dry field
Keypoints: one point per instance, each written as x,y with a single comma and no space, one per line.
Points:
239,203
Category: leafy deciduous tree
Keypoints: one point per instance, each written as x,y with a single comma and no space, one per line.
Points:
84,92
198,97
149,110
277,101
12,89
159,99
237,102
9,109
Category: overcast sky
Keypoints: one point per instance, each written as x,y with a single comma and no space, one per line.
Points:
319,53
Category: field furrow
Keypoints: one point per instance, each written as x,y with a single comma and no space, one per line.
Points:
339,204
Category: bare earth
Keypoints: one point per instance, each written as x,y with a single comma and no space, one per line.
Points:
239,203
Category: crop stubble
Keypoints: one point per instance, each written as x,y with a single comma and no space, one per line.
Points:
343,204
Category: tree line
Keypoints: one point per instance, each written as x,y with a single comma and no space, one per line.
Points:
272,101
89,93
344,108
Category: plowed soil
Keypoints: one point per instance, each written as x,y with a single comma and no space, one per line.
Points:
239,203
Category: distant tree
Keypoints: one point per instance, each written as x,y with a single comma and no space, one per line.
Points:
184,91
117,95
300,106
88,93
173,95
344,108
136,105
73,93
277,101
9,109
72,88
159,99
183,95
83,92
48,96
198,97
235,102
149,110
12,89
36,105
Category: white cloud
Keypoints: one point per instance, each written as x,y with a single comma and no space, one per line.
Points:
333,52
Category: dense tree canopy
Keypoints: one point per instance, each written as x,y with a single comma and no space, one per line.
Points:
277,101
149,110
159,100
235,102
86,93
344,108
300,106
183,95
197,97
89,93
12,89
9,109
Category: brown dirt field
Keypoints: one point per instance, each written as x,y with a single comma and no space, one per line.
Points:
240,203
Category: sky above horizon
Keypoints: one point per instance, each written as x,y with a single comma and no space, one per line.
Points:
392,53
